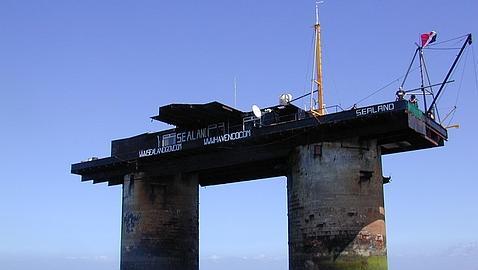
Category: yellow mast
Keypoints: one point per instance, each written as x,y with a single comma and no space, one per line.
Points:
318,65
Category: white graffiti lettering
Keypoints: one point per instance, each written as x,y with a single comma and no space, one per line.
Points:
191,135
160,150
375,109
227,137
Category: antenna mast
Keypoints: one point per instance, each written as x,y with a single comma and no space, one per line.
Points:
235,92
317,77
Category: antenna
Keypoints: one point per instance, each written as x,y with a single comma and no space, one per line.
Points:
235,92
317,3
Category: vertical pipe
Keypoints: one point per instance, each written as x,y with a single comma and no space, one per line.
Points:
423,81
314,68
336,207
160,228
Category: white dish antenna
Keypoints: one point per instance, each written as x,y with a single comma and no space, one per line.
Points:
257,112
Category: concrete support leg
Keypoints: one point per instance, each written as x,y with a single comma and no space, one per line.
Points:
336,209
160,228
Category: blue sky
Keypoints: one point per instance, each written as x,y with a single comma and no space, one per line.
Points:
75,75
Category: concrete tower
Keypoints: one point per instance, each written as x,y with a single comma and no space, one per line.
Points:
335,205
160,222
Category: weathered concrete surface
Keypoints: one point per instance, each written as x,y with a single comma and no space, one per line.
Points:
336,209
160,227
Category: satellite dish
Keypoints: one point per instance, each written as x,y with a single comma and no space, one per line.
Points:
257,112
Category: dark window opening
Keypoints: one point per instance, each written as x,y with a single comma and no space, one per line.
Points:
365,175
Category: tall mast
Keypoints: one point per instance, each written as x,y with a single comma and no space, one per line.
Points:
317,77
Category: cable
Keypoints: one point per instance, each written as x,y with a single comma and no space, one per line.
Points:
461,79
443,49
377,91
430,86
474,66
445,41
304,95
426,86
392,82
309,56
409,67
458,93
452,70
453,111
452,75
